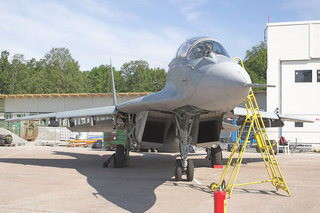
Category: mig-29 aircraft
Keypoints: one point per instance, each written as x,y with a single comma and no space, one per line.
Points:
203,85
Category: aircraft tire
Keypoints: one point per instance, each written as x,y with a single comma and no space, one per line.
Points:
178,170
216,156
8,139
120,158
190,170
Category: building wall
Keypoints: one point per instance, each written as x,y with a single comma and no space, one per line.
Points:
2,108
294,46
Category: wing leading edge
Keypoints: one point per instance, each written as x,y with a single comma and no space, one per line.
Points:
164,100
90,112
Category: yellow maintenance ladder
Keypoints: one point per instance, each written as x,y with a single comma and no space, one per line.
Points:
255,122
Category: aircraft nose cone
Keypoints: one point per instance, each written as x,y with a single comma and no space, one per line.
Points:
223,86
245,77
236,84
237,76
238,88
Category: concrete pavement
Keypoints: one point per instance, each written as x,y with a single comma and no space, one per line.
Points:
58,179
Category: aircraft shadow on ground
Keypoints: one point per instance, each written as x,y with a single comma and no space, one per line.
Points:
131,188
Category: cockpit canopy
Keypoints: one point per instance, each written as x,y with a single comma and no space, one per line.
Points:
199,47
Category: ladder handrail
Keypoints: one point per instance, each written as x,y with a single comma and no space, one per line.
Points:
255,120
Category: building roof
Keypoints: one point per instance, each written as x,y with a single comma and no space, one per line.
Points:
293,23
55,95
72,95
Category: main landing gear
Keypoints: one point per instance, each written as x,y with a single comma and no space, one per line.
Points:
121,156
184,166
214,154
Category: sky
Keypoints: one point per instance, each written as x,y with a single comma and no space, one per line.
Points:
97,31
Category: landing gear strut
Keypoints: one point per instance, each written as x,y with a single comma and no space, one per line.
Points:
121,156
184,166
122,151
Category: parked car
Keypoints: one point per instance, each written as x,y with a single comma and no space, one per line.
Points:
97,144
5,139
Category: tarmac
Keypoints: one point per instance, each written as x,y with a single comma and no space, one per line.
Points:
60,179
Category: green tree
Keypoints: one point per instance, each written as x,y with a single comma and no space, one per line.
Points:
34,84
5,72
159,78
136,76
19,75
139,77
256,63
58,72
99,80
61,73
119,82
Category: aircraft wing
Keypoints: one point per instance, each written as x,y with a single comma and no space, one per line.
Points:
294,119
166,99
96,111
34,117
272,115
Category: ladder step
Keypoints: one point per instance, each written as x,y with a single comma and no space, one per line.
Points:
274,163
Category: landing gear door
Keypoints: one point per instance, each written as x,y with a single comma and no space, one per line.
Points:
141,119
195,131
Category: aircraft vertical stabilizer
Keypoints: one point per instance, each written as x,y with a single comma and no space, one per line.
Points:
114,93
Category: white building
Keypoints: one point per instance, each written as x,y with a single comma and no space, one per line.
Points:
294,68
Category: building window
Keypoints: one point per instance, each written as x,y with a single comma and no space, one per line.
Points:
298,124
318,75
303,76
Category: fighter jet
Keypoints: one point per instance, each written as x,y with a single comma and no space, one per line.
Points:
203,85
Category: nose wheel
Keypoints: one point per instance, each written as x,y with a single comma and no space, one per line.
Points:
184,166
180,170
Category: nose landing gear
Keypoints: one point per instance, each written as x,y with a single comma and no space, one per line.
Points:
180,170
184,166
